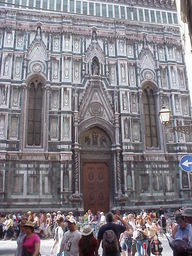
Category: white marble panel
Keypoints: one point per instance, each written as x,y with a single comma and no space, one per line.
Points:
54,128
76,72
3,126
67,43
132,77
55,70
19,41
66,99
9,39
111,49
130,50
76,45
15,97
56,43
67,70
66,128
54,99
17,68
121,47
13,130
4,94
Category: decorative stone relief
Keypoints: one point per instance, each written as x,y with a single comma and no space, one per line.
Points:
178,55
67,70
76,72
177,104
55,70
54,99
17,67
125,102
9,39
170,53
181,78
54,128
148,75
66,99
161,54
185,106
67,43
66,134
76,45
2,127
15,97
111,49
174,77
135,130
123,73
13,128
3,95
121,48
132,81
163,73
127,129
130,51
134,103
56,44
112,74
19,41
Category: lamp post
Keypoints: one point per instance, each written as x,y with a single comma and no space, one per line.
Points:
164,115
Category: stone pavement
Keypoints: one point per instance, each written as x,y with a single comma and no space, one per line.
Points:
8,248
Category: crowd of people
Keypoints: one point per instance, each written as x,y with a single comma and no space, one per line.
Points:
82,235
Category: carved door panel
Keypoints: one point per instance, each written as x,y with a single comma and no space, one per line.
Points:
96,187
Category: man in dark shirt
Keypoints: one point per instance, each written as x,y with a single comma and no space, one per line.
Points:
117,228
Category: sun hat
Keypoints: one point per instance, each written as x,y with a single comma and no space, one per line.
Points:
71,220
29,224
187,212
87,230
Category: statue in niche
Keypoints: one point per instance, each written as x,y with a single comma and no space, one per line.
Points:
123,73
15,97
87,140
95,66
6,66
2,126
55,70
126,129
54,128
17,67
103,141
95,138
3,93
66,97
66,127
67,69
94,36
38,33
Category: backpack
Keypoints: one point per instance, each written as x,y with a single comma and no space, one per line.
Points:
156,246
110,242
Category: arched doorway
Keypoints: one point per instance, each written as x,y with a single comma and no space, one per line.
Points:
95,169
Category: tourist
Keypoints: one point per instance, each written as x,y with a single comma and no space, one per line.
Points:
141,236
31,242
105,233
59,232
70,241
87,243
20,238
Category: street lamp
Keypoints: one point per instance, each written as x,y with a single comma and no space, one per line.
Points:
164,115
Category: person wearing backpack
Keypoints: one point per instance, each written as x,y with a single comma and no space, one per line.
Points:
109,234
59,232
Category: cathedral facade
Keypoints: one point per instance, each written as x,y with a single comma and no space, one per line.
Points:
81,87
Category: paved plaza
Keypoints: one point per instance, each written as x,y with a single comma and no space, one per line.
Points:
8,248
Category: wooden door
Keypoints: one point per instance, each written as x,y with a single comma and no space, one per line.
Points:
96,187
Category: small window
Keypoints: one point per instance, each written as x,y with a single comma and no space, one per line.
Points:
91,8
72,6
129,13
58,5
98,13
104,10
170,20
31,3
134,14
122,12
65,5
175,18
44,4
18,184
164,16
146,15
141,18
51,5
33,184
85,8
158,15
117,11
152,16
110,9
24,3
78,7
17,2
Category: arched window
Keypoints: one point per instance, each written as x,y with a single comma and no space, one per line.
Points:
95,66
35,102
149,107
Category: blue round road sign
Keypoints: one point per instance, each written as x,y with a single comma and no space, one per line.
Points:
186,163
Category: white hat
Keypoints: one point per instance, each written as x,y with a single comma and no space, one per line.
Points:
87,230
71,220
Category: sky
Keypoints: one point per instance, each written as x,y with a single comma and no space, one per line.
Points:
187,49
